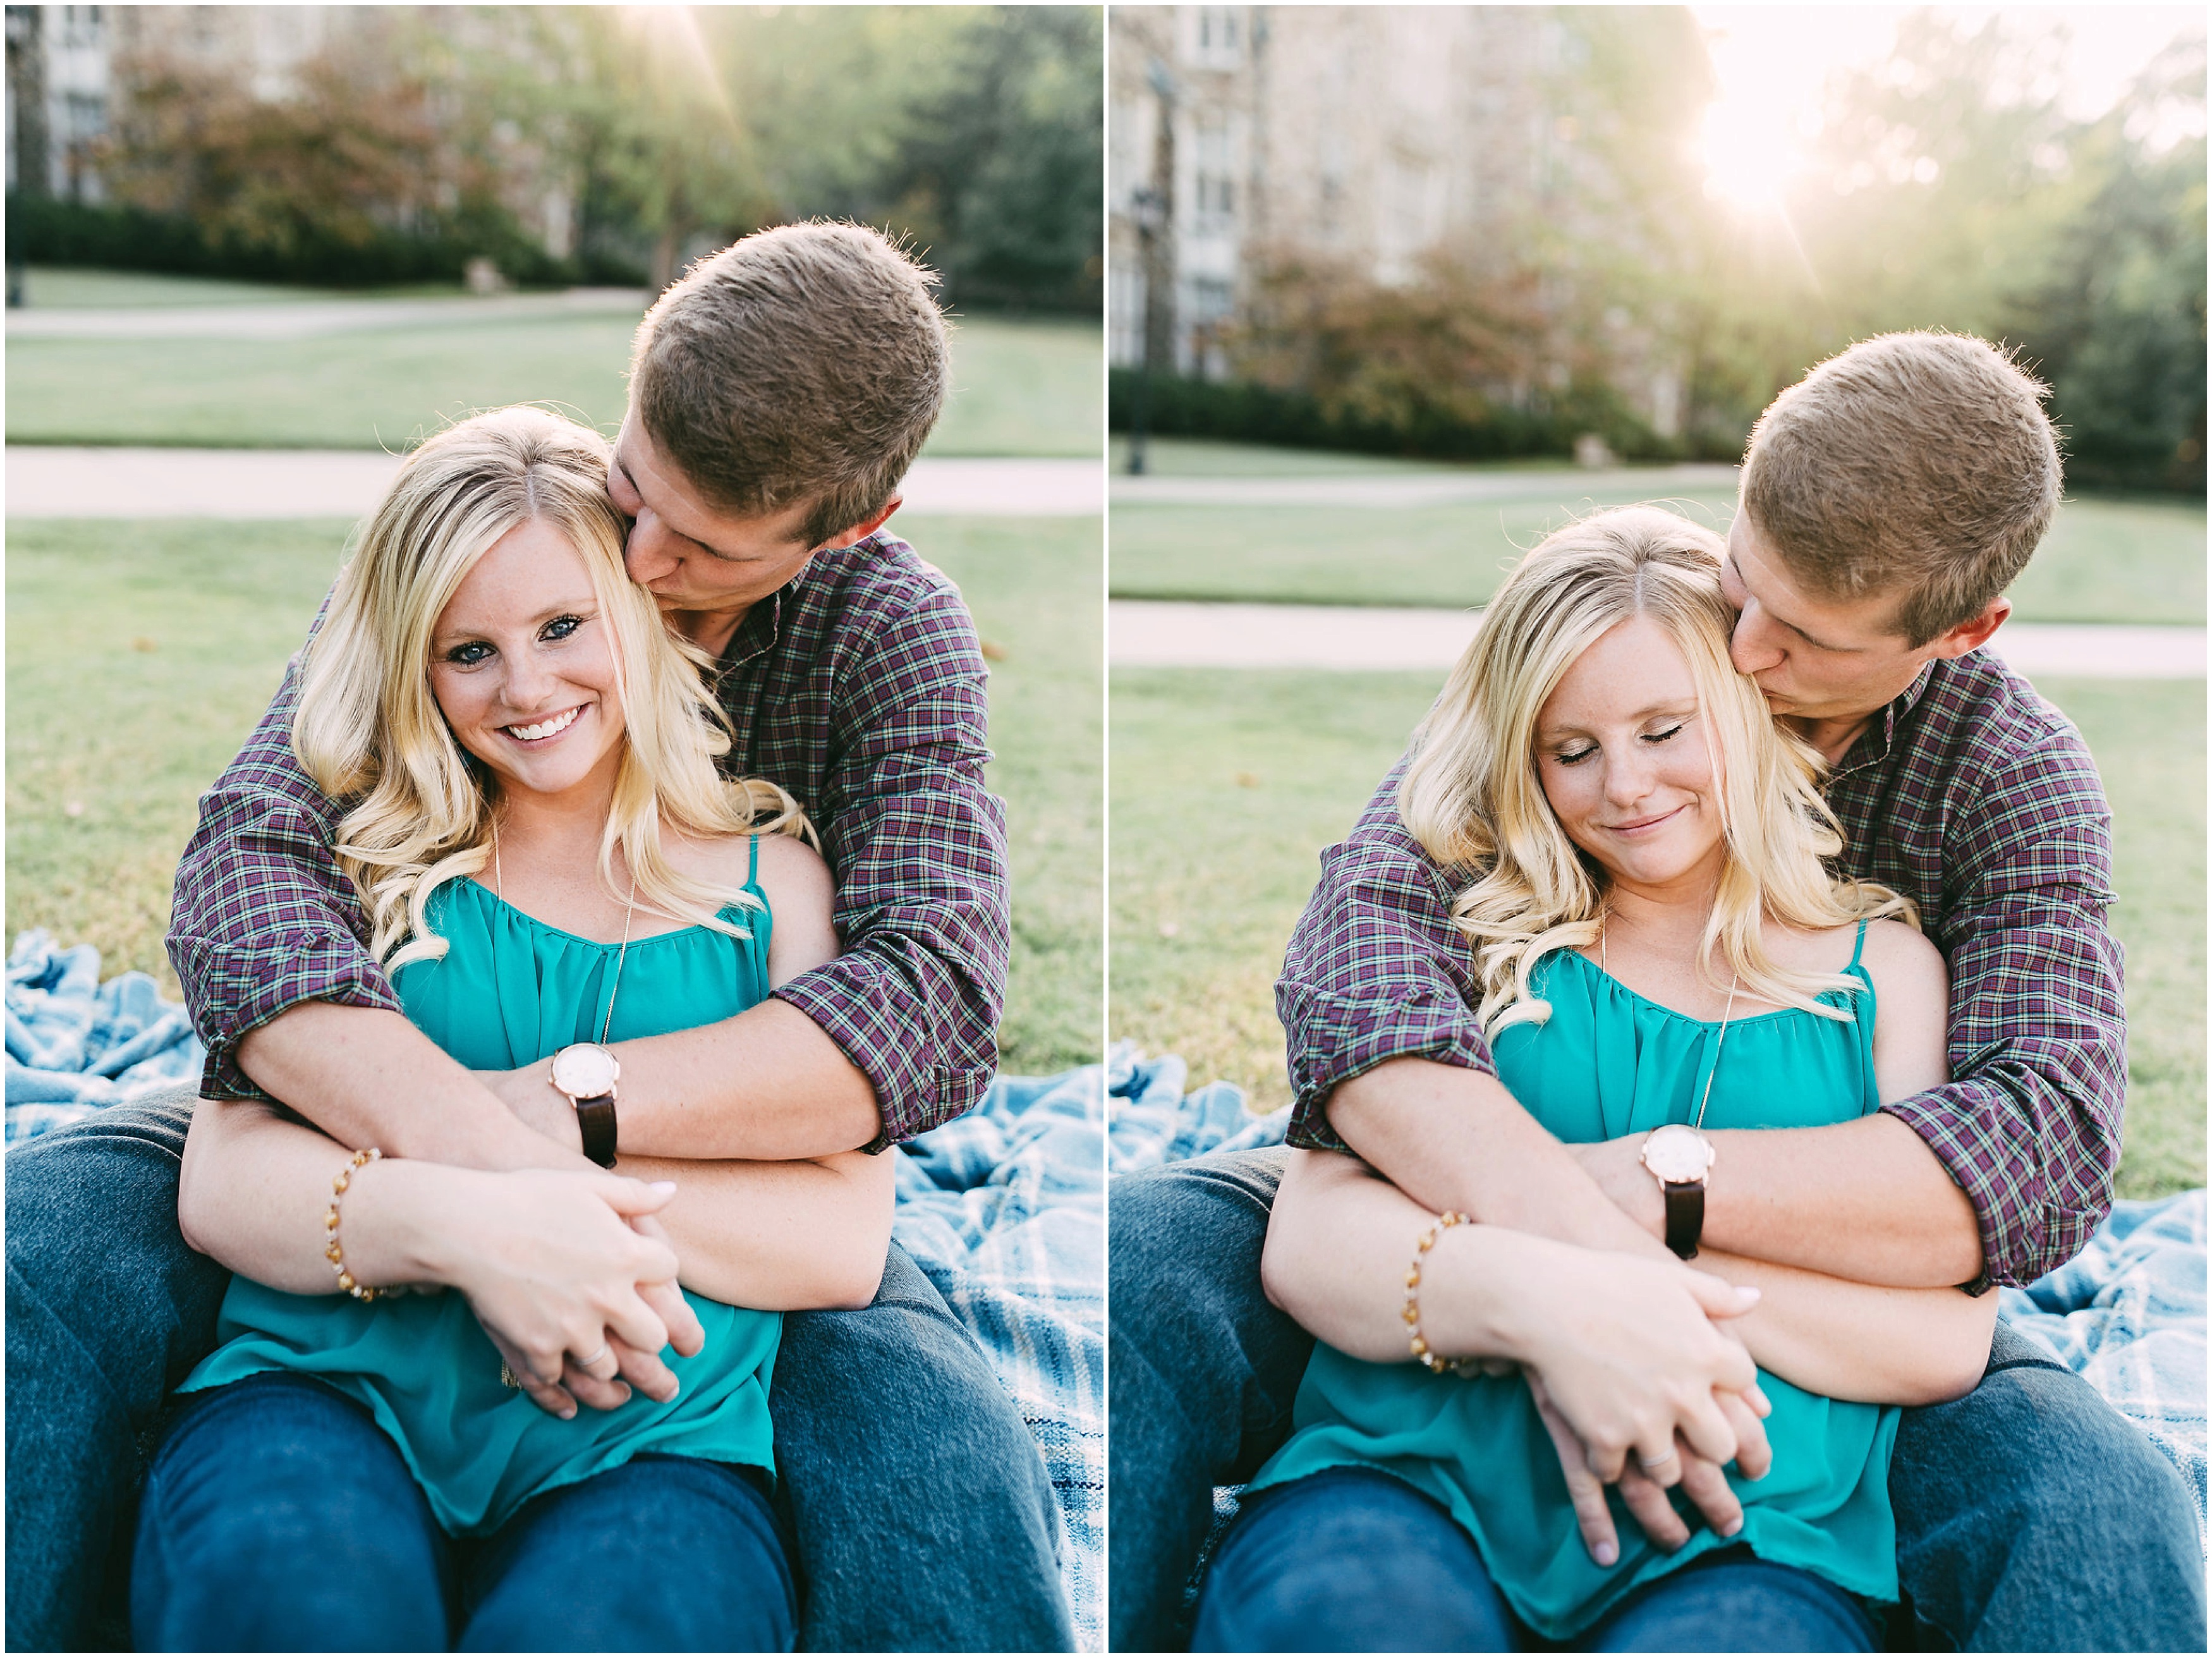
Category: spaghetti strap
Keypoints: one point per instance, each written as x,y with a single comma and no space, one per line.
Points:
753,877
1858,948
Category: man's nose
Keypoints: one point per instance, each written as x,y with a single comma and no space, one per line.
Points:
649,552
1753,647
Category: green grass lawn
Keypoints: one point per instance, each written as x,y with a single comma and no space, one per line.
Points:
58,287
1206,458
2106,559
1227,784
1019,388
139,654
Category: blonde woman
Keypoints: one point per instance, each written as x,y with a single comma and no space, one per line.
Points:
1639,850
548,862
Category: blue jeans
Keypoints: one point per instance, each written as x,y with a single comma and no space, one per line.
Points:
1352,1560
108,1310
278,1517
2030,1515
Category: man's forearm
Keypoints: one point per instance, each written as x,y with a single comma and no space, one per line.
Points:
1877,1344
768,1084
367,1077
1451,1138
1865,1200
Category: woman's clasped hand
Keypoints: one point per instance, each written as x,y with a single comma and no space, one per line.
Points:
564,1267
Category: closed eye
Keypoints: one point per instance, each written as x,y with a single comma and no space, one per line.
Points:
1575,757
1674,729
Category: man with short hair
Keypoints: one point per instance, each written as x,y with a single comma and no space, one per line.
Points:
779,393
1886,501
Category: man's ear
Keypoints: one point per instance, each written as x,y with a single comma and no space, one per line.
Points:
867,527
1973,633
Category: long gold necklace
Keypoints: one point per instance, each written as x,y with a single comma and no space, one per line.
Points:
499,891
1734,980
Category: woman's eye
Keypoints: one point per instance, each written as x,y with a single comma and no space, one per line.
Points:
468,655
561,626
1660,737
1575,757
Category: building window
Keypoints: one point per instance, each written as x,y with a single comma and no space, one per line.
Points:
1125,341
1215,36
1213,184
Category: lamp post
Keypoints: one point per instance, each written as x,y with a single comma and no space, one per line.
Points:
1149,207
1153,206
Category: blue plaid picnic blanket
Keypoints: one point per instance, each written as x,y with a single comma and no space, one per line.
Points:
1153,1121
2127,1313
1005,1209
75,1044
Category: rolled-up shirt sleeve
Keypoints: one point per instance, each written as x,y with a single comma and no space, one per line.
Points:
262,919
918,848
1375,970
2030,1125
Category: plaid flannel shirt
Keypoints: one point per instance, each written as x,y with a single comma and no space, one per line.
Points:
1970,795
859,687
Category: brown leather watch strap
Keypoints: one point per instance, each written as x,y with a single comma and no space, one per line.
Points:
1685,1215
595,1119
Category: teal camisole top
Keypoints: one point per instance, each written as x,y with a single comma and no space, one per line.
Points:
509,992
1607,1063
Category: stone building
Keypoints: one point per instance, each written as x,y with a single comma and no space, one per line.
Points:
1364,138
68,79
57,93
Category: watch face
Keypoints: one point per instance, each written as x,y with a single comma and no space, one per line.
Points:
584,1070
1677,1155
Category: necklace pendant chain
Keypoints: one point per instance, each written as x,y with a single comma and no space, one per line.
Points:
622,955
630,912
1735,983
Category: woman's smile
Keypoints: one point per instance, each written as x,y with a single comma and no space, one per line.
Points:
1640,825
545,730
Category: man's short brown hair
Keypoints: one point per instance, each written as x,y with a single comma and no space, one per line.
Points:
1917,464
802,364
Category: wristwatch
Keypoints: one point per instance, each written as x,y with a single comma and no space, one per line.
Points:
1678,1157
587,1073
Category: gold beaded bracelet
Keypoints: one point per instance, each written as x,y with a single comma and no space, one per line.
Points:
1445,1222
337,1255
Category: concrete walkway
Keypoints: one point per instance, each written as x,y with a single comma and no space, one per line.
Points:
302,319
263,483
1151,634
1422,489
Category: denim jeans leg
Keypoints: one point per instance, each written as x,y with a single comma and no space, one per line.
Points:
922,1513
1729,1601
1202,1373
279,1517
2033,1517
107,1309
662,1554
1349,1560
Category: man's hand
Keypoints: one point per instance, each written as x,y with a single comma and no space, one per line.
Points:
530,1094
1617,1167
1644,1491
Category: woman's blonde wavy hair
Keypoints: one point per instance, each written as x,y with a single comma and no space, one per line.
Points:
1472,796
369,731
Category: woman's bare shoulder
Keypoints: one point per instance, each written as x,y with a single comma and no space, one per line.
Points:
1898,948
726,859
1902,959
